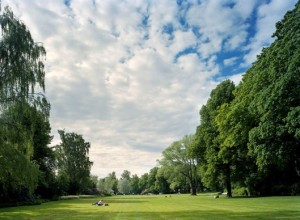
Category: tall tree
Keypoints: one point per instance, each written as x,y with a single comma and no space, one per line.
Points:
261,123
21,66
274,141
151,180
21,73
134,184
73,160
161,183
178,158
143,183
215,167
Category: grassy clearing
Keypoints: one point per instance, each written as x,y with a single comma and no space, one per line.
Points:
161,207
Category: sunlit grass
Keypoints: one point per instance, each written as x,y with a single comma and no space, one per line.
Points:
162,207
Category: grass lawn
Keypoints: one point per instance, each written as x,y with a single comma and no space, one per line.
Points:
203,206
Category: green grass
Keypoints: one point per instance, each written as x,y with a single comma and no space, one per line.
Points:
203,206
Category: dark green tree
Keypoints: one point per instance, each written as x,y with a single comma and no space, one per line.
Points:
274,141
134,184
258,129
21,73
161,183
143,183
125,175
73,161
21,66
215,167
151,180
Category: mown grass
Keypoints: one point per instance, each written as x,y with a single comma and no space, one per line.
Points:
161,207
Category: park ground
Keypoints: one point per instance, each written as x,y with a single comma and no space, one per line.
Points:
203,206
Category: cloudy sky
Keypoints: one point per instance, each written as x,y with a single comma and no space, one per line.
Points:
131,75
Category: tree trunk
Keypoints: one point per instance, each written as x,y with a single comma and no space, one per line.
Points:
193,189
228,180
193,179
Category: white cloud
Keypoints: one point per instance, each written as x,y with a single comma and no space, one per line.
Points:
220,24
230,61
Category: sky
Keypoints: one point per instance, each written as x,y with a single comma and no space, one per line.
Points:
132,75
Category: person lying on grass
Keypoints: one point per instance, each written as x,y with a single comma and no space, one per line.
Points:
100,203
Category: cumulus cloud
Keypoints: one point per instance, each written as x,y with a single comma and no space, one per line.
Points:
230,61
131,76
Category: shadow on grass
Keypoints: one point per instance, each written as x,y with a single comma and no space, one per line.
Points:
123,201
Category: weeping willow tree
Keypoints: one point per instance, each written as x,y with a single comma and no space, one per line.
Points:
22,86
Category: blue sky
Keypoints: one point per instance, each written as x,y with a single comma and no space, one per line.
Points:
131,75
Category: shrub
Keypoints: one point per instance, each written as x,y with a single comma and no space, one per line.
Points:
241,191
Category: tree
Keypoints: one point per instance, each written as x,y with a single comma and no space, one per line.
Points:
161,183
151,180
21,66
255,136
178,158
125,175
134,184
21,72
215,167
274,141
91,186
143,183
33,125
73,160
124,186
108,185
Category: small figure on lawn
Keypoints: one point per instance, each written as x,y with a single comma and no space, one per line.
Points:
100,203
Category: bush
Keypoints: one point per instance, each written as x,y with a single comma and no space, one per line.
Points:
241,191
69,197
24,203
295,189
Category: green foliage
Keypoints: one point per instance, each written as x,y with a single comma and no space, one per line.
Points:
21,66
24,126
125,175
151,181
135,184
213,155
250,135
143,182
124,186
73,161
161,183
241,191
109,184
25,134
17,173
178,161
273,141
